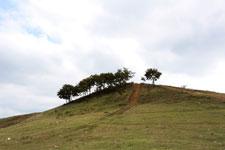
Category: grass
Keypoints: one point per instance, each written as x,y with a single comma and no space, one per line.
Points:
166,118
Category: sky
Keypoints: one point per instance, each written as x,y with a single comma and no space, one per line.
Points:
47,43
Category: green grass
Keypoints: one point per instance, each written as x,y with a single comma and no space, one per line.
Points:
166,118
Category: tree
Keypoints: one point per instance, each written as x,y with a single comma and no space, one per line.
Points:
76,91
66,92
106,80
143,79
98,82
109,79
127,74
152,74
122,76
85,85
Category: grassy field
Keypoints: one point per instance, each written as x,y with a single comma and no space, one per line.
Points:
165,118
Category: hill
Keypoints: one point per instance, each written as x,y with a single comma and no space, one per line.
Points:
136,117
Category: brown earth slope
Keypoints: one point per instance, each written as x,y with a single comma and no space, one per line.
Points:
134,97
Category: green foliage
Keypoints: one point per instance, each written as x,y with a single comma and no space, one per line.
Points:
66,92
122,76
152,74
96,82
143,79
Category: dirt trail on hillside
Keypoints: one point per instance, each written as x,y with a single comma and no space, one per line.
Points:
134,97
133,100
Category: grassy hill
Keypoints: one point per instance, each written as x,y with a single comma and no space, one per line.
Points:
137,117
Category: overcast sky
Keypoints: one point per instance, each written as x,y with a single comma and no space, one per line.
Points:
46,43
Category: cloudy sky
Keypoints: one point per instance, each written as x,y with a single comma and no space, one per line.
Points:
46,43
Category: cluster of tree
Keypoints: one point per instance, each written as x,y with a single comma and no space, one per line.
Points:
152,74
99,82
95,82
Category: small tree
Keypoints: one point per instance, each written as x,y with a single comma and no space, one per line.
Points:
66,92
143,79
152,74
122,76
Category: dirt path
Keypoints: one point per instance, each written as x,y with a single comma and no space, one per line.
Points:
134,97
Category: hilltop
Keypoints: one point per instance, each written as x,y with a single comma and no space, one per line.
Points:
138,116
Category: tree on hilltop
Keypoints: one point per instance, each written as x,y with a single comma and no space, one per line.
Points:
122,76
66,92
96,82
152,74
143,79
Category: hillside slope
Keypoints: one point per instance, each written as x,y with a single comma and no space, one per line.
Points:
138,117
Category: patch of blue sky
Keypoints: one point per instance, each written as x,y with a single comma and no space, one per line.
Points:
7,5
54,39
35,31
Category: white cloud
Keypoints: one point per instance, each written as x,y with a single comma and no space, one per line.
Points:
18,99
46,43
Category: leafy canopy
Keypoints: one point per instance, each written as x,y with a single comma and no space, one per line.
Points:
152,74
95,82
